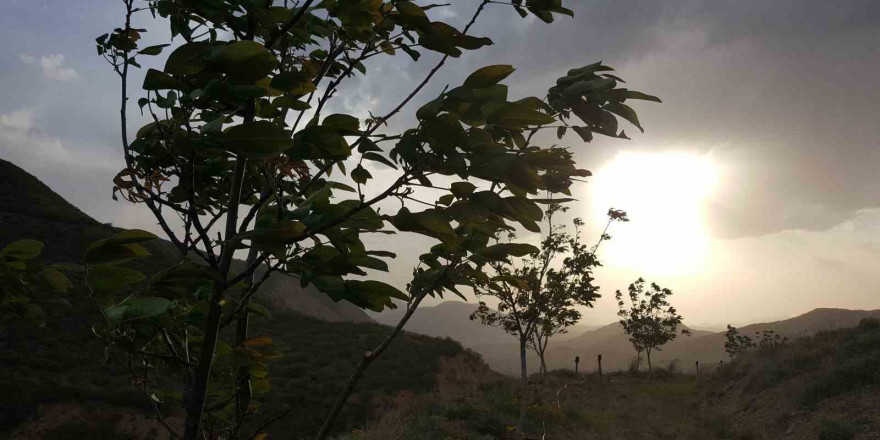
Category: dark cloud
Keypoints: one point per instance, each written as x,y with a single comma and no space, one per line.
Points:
782,94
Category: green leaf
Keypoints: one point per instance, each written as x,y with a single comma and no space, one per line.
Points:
430,222
329,284
503,250
257,139
473,43
56,280
345,123
374,295
153,50
105,252
462,189
188,59
131,236
520,116
158,80
279,232
360,175
530,226
145,307
626,112
488,76
106,278
368,262
376,157
246,60
35,315
560,132
632,94
468,212
318,142
23,249
413,13
581,88
585,133
524,208
293,82
430,110
291,103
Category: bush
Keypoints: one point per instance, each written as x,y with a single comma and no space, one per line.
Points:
835,430
100,430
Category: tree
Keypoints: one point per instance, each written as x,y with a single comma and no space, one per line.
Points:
569,286
536,300
238,129
738,344
651,322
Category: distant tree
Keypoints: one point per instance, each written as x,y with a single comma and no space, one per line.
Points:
571,285
738,344
535,299
650,321
241,157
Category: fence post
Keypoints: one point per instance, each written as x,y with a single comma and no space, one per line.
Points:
600,366
577,360
697,363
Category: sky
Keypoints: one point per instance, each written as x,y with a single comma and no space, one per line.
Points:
753,193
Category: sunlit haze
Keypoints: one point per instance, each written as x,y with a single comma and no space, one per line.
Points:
664,195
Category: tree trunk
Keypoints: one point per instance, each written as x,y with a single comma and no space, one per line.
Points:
541,356
524,387
201,376
244,393
198,391
648,354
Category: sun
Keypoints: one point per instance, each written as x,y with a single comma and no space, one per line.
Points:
664,195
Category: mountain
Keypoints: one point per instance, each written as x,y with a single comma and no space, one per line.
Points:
501,351
30,209
55,383
705,347
451,319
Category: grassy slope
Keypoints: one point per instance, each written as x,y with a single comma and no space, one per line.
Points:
61,363
824,387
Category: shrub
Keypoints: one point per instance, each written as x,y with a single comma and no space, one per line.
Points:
100,430
830,429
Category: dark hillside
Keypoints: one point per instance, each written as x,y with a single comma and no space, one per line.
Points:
42,369
820,387
824,386
30,209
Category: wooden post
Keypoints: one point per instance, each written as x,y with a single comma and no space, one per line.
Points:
697,363
600,366
577,360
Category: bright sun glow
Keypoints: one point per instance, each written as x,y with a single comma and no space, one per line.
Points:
664,195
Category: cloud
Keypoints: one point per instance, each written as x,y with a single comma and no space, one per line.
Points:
52,66
17,120
79,171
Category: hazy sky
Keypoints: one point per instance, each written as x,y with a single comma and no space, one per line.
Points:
754,192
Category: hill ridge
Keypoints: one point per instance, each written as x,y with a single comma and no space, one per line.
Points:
31,209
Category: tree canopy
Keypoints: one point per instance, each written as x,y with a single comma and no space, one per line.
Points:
650,321
241,157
